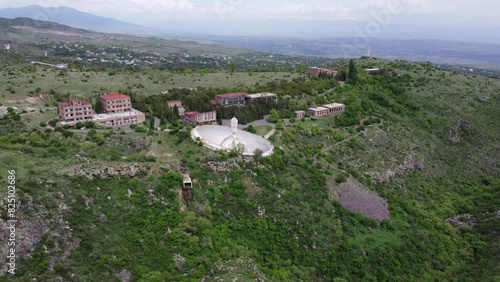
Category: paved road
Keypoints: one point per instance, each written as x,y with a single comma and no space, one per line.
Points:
270,133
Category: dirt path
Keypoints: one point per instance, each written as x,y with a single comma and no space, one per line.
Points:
339,143
182,205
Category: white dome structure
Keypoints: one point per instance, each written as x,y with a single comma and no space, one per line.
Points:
218,137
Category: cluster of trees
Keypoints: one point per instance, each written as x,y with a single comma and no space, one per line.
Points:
200,100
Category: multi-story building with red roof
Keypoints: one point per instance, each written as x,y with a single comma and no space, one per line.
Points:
115,103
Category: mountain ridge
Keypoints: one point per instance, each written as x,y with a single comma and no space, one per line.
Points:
77,19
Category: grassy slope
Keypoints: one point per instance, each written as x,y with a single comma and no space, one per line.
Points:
84,84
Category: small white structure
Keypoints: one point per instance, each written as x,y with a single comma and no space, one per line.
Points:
226,138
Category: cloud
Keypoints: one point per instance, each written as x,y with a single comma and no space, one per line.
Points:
159,10
315,9
164,5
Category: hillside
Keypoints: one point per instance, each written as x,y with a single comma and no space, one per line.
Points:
25,34
420,151
77,19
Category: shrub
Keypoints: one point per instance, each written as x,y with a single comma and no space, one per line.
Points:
67,133
89,124
79,125
140,129
53,122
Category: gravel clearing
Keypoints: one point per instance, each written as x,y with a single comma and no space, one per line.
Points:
354,197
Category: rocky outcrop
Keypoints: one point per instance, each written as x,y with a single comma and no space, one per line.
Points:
411,163
454,133
244,269
125,275
33,222
462,220
102,170
234,163
459,130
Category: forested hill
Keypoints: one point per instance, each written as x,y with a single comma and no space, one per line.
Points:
403,186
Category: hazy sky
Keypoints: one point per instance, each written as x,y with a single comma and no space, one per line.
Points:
452,19
142,11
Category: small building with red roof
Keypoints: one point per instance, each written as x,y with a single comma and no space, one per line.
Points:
199,118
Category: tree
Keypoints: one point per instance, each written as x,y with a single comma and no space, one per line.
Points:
251,129
302,68
53,122
79,125
232,66
352,75
274,117
176,112
89,124
98,106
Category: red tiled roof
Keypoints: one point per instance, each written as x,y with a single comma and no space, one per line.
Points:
230,95
192,113
114,96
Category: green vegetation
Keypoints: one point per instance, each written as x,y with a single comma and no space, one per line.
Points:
426,141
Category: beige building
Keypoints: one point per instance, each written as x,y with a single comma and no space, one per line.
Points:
120,119
262,96
325,110
172,104
315,71
75,111
179,105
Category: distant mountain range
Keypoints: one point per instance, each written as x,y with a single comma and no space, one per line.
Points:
77,19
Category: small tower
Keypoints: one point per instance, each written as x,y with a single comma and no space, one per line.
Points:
187,188
234,126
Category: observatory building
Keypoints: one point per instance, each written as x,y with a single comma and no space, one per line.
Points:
226,138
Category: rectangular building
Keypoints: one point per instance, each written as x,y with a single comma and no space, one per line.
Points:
179,105
115,103
299,114
335,108
172,104
200,118
325,110
315,71
230,99
262,96
317,111
130,117
75,111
